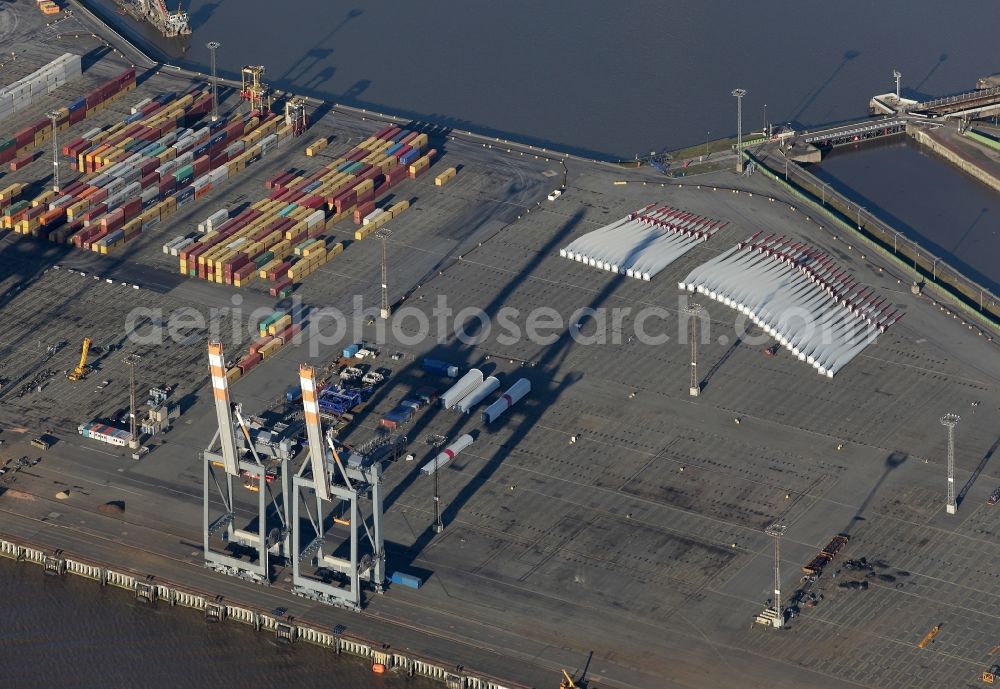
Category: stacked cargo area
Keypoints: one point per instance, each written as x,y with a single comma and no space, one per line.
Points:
137,172
285,237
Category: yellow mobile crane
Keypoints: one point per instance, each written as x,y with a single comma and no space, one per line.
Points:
81,371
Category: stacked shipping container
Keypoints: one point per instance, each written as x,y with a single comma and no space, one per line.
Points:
139,171
35,134
26,90
282,238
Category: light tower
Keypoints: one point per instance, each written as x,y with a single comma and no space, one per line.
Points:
438,525
383,234
131,360
776,531
212,47
897,76
950,421
694,320
54,116
738,94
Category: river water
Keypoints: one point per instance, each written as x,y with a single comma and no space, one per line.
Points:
68,633
926,198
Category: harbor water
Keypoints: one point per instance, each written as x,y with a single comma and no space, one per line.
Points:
68,633
926,198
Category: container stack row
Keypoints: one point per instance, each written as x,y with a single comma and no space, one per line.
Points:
276,331
284,238
35,134
138,172
29,89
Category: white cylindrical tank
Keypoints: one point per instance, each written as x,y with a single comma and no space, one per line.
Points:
466,384
478,395
446,455
507,400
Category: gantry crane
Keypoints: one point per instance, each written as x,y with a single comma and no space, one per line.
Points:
81,370
270,529
337,488
254,90
295,115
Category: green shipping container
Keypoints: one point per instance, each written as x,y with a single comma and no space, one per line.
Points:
264,259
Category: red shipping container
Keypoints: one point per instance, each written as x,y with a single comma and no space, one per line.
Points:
366,196
98,196
288,333
245,271
357,155
361,211
383,130
311,201
389,134
248,362
148,166
407,139
345,200
73,188
24,137
381,189
19,163
396,174
94,213
53,217
279,270
77,115
278,286
69,145
131,208
294,195
201,166
167,185
113,220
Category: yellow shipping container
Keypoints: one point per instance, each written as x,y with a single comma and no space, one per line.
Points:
43,198
12,192
363,231
316,146
279,324
445,176
419,164
269,348
262,273
233,374
419,141
364,185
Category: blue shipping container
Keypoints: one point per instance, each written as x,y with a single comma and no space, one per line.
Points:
77,104
409,157
350,351
407,580
293,393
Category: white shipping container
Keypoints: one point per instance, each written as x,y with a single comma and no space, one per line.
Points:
315,218
373,216
138,106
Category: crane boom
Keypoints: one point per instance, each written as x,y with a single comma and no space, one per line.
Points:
314,432
223,407
80,372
